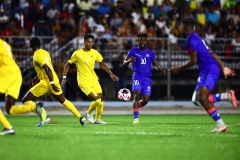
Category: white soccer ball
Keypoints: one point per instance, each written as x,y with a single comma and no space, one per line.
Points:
124,94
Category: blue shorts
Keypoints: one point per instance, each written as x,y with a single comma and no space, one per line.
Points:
143,84
208,77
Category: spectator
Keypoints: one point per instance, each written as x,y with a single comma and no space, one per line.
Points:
116,21
105,7
201,17
84,6
212,15
209,36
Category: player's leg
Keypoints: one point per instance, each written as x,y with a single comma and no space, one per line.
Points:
145,91
206,83
211,109
8,129
136,89
99,110
137,97
225,96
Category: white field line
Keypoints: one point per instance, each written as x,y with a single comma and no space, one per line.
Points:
162,134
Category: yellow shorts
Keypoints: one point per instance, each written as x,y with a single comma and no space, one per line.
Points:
10,84
44,87
90,87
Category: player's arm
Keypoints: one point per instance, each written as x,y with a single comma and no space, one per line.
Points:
106,69
216,58
191,62
226,71
50,77
128,60
35,80
65,71
158,68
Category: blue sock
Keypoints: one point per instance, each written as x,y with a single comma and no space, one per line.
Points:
214,114
135,112
216,97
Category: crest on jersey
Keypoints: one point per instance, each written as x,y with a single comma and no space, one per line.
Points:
147,55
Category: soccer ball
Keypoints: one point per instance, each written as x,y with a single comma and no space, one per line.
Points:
124,94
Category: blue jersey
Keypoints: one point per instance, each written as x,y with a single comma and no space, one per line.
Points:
208,66
204,57
143,65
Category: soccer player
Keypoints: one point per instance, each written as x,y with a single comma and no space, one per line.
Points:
47,82
85,59
10,83
142,59
210,66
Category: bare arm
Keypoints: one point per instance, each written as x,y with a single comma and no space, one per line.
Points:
127,60
65,71
106,69
191,62
216,58
50,77
155,65
226,71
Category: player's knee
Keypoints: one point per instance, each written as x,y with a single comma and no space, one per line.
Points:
195,101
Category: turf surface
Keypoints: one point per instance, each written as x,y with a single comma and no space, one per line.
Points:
167,137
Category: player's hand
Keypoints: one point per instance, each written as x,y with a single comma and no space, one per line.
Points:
114,77
63,82
132,59
163,71
228,72
35,81
55,88
175,70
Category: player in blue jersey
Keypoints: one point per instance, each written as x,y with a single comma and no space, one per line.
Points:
210,66
142,59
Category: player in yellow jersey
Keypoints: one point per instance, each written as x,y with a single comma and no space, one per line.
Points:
48,81
85,59
10,84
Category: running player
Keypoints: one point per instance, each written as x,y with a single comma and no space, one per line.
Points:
85,59
48,82
142,59
210,66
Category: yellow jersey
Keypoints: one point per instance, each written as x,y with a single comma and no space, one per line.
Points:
85,63
7,62
40,58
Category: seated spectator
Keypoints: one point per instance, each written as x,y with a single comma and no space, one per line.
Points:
201,17
84,6
160,22
105,7
209,36
233,14
212,15
116,21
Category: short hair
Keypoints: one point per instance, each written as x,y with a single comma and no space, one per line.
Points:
141,35
87,36
35,42
189,22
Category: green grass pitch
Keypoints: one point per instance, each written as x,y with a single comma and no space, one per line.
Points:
157,137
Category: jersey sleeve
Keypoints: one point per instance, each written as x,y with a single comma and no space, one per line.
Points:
193,44
130,53
73,58
99,57
41,60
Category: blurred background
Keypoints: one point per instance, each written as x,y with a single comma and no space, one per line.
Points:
61,25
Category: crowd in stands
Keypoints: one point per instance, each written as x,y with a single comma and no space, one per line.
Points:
66,19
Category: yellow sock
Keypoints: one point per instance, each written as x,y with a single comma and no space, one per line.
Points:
99,110
71,108
4,121
28,106
93,106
